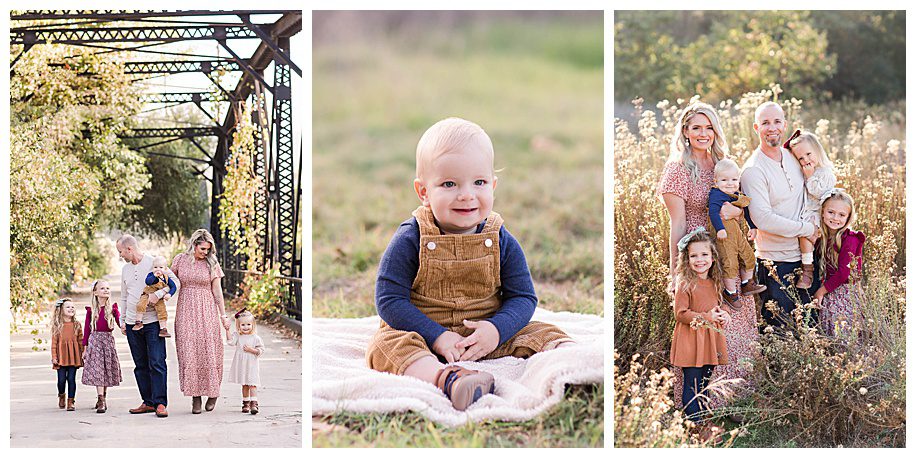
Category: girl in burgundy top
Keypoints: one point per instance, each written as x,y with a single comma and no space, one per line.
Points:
838,295
101,367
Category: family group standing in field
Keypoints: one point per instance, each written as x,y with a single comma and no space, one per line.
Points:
146,283
805,264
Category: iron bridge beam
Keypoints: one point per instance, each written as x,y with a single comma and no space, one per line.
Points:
30,36
116,15
187,66
177,132
184,97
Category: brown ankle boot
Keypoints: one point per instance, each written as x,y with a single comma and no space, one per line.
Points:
138,326
246,406
463,386
70,402
806,278
752,287
60,400
733,300
100,406
253,407
164,333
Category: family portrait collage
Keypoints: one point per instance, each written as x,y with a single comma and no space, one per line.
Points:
315,229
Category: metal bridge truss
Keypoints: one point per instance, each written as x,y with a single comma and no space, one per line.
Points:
277,203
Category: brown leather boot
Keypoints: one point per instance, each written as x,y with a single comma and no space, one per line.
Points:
752,287
195,404
733,300
70,402
463,386
246,406
60,400
100,406
806,278
253,406
138,325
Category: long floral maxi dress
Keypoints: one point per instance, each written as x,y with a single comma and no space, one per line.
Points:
741,332
197,328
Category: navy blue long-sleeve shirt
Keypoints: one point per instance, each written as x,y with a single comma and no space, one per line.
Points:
717,197
152,279
401,262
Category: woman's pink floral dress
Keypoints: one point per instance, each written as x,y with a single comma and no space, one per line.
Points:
197,328
741,332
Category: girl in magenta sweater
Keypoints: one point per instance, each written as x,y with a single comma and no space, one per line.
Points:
839,248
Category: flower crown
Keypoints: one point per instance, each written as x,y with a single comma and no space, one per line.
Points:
685,240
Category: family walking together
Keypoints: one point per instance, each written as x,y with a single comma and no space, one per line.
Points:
784,200
146,283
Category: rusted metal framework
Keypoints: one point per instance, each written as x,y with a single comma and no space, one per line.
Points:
277,203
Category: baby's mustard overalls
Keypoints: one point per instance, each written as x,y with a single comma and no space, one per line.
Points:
735,252
458,279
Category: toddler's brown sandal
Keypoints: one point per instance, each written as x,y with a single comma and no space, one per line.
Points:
464,386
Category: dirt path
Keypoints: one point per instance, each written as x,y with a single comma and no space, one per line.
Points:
36,421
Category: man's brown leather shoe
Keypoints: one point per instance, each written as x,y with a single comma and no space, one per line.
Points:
143,409
161,412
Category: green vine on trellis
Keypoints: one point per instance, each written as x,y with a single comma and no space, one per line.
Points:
240,186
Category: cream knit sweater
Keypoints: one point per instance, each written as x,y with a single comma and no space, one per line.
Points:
777,192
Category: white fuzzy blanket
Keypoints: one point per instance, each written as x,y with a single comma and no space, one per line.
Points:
524,388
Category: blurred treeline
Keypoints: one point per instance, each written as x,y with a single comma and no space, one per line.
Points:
565,37
822,55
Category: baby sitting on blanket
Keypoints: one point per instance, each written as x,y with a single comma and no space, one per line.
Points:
453,284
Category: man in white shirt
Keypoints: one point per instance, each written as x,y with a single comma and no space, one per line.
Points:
146,347
773,179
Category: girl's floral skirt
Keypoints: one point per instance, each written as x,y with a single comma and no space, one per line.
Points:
101,366
840,310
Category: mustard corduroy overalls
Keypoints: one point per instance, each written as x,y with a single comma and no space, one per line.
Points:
735,252
458,279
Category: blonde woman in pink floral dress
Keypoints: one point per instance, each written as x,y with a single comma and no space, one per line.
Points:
698,143
199,315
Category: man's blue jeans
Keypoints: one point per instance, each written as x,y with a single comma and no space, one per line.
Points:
148,352
785,303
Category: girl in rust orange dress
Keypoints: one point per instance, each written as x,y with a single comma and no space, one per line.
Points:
698,344
66,350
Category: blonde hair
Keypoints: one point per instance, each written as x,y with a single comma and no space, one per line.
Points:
94,308
165,262
812,140
199,236
246,314
725,165
57,315
830,245
451,135
680,152
686,278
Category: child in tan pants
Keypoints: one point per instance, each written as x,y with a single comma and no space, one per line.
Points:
453,284
157,280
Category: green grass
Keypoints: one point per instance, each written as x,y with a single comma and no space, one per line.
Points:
576,422
536,87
